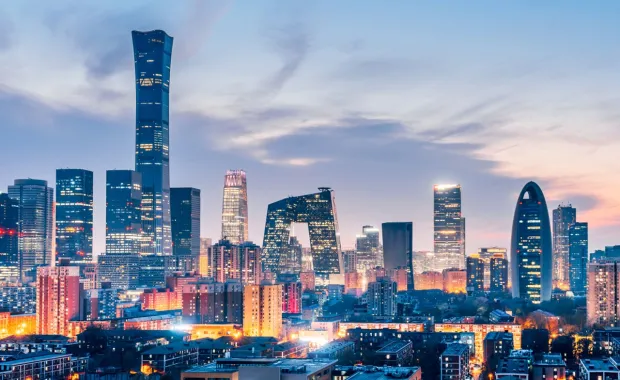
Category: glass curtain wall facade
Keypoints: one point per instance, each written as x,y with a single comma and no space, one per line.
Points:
319,211
152,58
235,207
35,224
9,254
123,199
578,257
368,249
398,248
563,218
185,211
449,226
531,255
74,215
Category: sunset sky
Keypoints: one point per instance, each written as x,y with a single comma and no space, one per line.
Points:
378,100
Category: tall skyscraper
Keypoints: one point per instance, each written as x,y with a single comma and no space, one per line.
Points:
185,223
498,274
262,310
449,226
123,199
368,249
578,257
563,218
319,211
475,275
74,215
291,262
487,254
235,207
250,255
9,254
152,58
225,261
603,307
381,298
398,248
35,224
58,298
349,259
530,251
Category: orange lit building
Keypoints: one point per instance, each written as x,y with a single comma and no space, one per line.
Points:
156,322
399,276
176,283
22,324
214,331
352,281
308,281
454,280
161,299
58,298
405,327
76,327
480,332
262,310
429,281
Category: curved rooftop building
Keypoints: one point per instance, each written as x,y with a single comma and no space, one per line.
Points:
318,210
530,254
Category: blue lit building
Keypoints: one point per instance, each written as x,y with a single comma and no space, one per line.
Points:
319,211
152,57
123,198
578,257
398,248
74,215
530,255
35,225
9,254
185,211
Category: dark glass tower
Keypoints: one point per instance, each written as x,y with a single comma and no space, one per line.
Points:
398,248
368,249
123,197
74,215
530,254
498,274
152,56
9,257
319,211
185,211
578,257
35,224
563,218
449,226
475,275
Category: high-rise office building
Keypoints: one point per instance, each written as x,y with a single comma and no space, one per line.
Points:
368,249
530,251
475,274
152,57
185,224
123,198
563,218
349,260
204,268
9,253
154,269
603,307
486,254
319,211
291,261
578,257
291,297
449,227
74,215
498,269
251,267
35,229
381,297
235,207
262,310
58,298
119,270
398,248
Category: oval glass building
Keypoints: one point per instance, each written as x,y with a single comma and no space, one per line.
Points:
530,254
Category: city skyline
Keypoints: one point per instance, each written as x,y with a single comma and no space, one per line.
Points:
449,151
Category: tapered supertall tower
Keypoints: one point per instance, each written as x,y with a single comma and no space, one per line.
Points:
152,56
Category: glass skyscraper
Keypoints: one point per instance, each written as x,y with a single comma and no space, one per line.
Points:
152,57
319,211
35,224
235,207
9,254
74,215
123,198
185,211
563,218
578,257
398,248
449,227
530,254
368,249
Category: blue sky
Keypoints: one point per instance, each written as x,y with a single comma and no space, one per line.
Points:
378,100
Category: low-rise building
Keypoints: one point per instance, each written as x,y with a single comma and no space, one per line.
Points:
480,331
454,362
162,359
394,354
549,367
40,365
377,373
332,350
514,368
498,344
595,369
263,368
